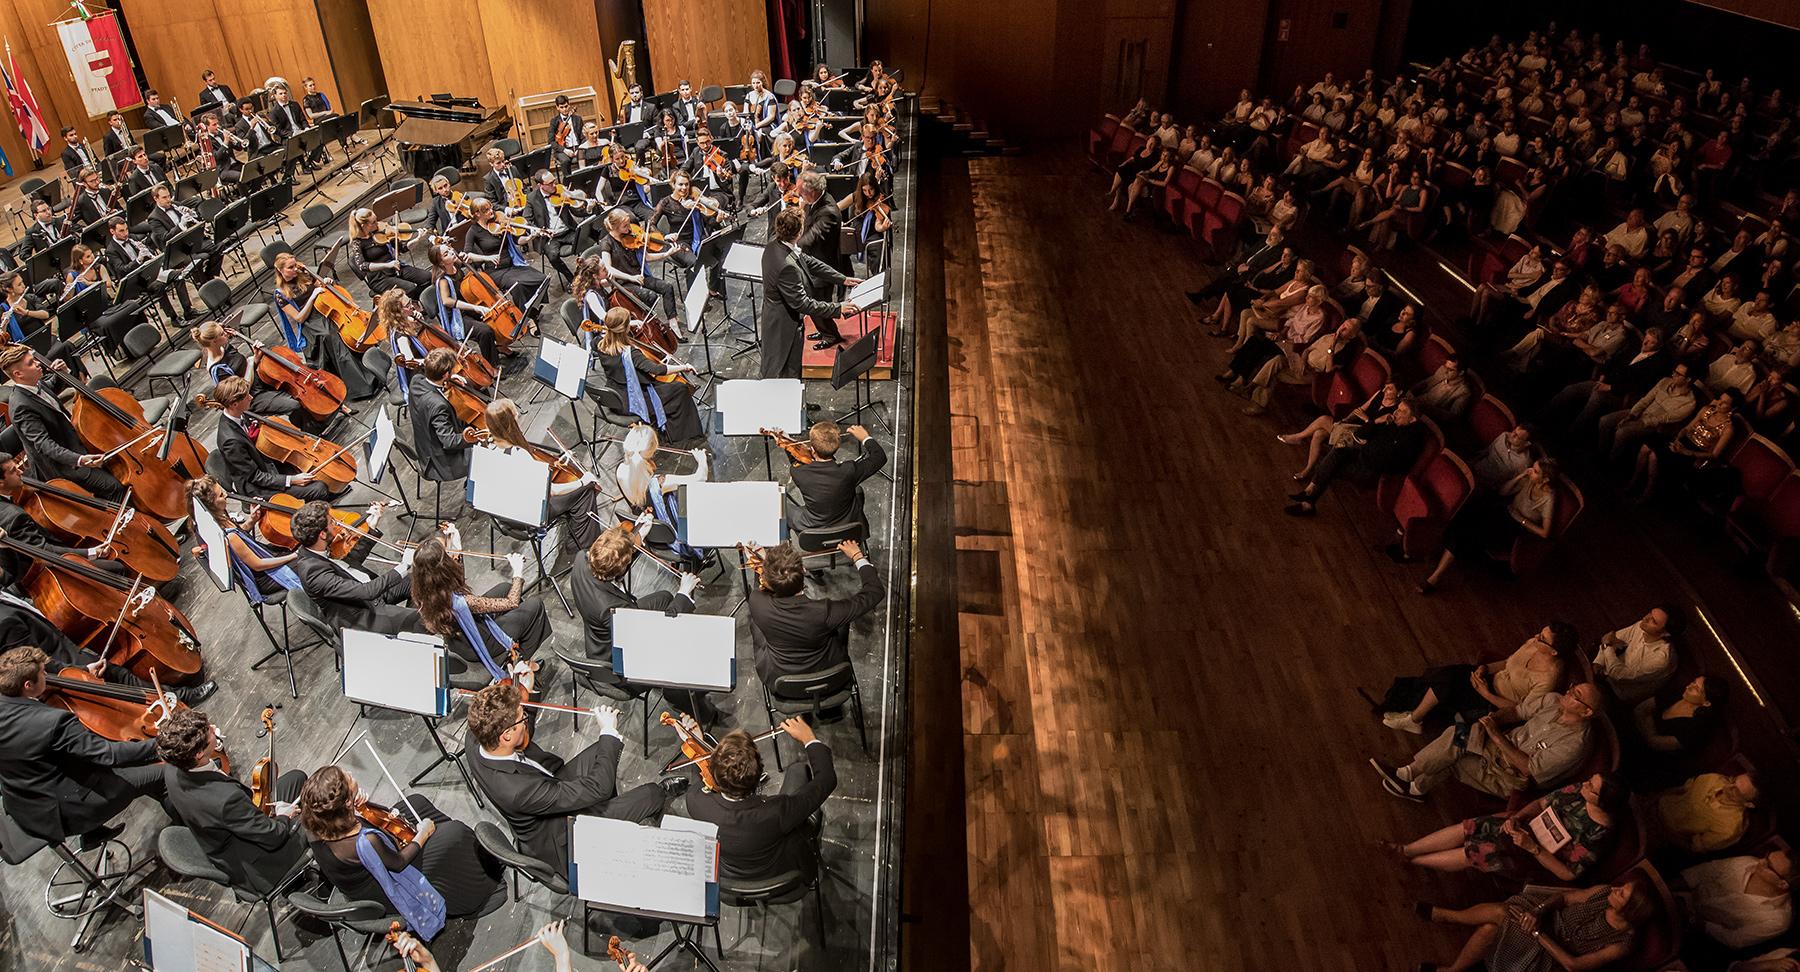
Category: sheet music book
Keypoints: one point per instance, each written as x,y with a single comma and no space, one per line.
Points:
218,555
743,260
693,304
380,445
407,673
1547,828
669,870
177,940
509,483
746,406
870,292
727,514
562,366
694,651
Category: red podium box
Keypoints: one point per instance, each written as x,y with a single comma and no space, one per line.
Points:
817,364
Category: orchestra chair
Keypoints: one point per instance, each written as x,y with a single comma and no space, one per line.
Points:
787,887
784,88
1387,488
180,852
308,612
216,295
1771,525
380,361
317,218
371,919
589,674
610,408
268,254
817,539
811,693
450,172
536,869
522,532
1659,939
90,889
437,486
35,186
173,367
1529,552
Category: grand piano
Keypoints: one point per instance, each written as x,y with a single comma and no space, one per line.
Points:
445,131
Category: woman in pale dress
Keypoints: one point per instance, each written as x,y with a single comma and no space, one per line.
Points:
1534,668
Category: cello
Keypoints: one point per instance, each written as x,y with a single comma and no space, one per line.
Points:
480,372
504,316
111,421
69,513
643,338
320,393
329,463
127,624
116,712
277,518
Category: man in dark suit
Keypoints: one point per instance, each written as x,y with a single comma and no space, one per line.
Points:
788,275
259,136
437,435
167,220
1377,308
45,229
822,239
214,93
794,634
75,153
92,202
118,136
565,128
16,524
558,221
1254,262
123,254
256,849
285,115
762,837
51,443
831,490
158,115
347,595
635,110
599,590
141,174
251,471
537,791
58,778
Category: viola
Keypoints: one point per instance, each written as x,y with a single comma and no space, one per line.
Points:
716,162
116,712
70,514
514,225
747,145
277,526
564,196
387,821
320,393
696,745
110,421
636,238
359,328
263,774
479,371
458,204
504,316
514,187
798,451
124,622
386,233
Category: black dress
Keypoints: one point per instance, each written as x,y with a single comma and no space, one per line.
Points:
677,398
521,283
452,860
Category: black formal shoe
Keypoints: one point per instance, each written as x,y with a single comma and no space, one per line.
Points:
1301,497
196,694
825,345
815,336
1196,298
1301,508
673,786
94,838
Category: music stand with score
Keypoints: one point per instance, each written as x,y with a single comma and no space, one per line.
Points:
852,366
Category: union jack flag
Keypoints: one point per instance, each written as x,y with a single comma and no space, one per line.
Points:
24,106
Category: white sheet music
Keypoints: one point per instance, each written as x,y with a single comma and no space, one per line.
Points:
630,865
870,292
744,260
381,444
727,514
218,556
180,943
749,405
407,673
693,305
687,650
509,483
569,362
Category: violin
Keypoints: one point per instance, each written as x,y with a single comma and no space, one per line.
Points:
127,623
514,225
562,130
716,162
747,145
347,527
458,205
631,172
359,328
635,237
387,821
617,952
263,774
564,196
69,513
514,187
320,393
479,371
111,421
328,462
696,745
504,316
116,712
386,233
798,451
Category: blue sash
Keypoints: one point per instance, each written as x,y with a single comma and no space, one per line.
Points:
289,333
283,575
648,407
868,226
417,352
697,229
450,315
659,502
465,619
511,251
12,323
412,895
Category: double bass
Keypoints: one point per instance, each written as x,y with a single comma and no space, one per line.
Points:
320,393
71,514
111,421
504,316
125,622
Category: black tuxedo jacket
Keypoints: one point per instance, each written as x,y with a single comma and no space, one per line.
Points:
251,471
89,209
765,835
788,284
537,212
163,226
288,119
40,238
437,435
22,626
137,180
72,160
574,138
120,262
162,116
798,634
219,94
538,807
822,239
833,490
114,142
19,526
255,848
49,437
596,600
56,775
345,602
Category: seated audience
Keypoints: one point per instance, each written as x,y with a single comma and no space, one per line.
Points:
1634,660
1707,813
1561,833
1541,928
1551,734
1467,692
1741,901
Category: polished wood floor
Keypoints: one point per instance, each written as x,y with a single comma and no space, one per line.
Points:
1164,752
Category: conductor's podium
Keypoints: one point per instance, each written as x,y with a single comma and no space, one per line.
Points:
817,364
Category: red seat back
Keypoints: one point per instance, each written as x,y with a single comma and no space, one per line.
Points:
1761,467
1209,192
1659,938
1490,418
1782,512
1433,353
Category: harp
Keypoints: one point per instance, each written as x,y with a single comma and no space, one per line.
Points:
623,71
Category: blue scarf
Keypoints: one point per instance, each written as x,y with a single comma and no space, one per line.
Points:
418,352
659,502
450,315
283,575
647,407
868,226
12,323
511,250
465,619
696,228
411,894
289,333
220,371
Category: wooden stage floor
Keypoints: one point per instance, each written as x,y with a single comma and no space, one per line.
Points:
1165,756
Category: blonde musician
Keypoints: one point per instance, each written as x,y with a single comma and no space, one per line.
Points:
632,369
494,246
644,492
593,149
761,105
447,272
796,124
629,265
382,265
502,184
306,330
577,502
782,149
219,360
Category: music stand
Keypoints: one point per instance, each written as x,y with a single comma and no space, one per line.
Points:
196,185
109,166
312,143
185,245
527,164
80,312
137,208
137,288
852,365
630,133
161,140
743,261
47,263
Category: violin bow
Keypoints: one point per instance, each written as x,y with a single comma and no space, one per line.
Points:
759,737
120,518
126,606
399,794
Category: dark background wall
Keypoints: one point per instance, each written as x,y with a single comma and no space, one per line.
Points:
1049,67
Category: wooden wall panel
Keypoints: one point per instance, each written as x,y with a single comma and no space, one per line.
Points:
451,55
535,46
706,41
276,38
1218,52
1314,45
350,40
244,42
1785,13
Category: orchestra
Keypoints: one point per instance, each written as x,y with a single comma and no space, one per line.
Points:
434,320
